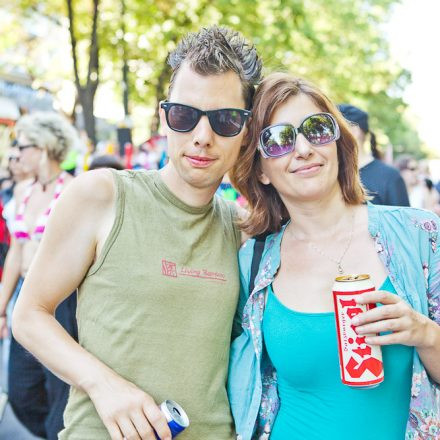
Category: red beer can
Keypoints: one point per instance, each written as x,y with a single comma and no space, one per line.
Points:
360,364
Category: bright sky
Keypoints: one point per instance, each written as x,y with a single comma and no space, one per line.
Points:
414,34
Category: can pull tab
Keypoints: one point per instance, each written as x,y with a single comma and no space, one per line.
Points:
348,278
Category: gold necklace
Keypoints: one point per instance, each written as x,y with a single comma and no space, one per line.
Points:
322,253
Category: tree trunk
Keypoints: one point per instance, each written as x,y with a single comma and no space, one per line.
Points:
86,93
125,85
86,98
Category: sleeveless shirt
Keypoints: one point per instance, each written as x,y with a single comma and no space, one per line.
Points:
158,303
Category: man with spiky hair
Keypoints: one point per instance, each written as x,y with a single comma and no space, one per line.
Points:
154,256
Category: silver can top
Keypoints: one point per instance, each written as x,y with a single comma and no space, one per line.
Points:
351,278
177,413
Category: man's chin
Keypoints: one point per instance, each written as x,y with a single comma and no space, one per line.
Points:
206,183
202,179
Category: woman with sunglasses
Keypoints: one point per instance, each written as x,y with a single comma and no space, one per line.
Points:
37,396
298,170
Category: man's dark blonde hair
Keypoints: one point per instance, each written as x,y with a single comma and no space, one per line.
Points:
267,210
215,50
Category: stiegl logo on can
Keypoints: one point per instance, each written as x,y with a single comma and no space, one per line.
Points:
360,364
176,417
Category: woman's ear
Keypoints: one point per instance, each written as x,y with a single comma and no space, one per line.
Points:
264,179
44,158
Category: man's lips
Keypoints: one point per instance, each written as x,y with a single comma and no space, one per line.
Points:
310,168
199,161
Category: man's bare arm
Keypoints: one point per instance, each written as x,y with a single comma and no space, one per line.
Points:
76,231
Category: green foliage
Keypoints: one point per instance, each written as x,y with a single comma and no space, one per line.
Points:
338,44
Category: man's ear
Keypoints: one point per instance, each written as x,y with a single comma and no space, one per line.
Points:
245,130
246,126
162,118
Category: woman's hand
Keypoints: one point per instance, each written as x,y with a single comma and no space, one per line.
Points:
407,326
127,412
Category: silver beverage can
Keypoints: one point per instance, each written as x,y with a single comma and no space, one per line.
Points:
176,417
361,364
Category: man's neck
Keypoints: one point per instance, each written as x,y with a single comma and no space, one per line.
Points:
184,191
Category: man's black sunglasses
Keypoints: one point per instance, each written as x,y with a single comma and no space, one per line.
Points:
225,122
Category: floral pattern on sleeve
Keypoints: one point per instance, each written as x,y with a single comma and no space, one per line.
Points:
431,227
424,418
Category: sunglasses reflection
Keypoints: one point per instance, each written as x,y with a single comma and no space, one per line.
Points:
279,139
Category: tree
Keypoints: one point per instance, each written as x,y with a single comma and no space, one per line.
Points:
82,18
86,91
337,44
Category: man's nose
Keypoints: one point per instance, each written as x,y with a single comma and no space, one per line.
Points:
203,134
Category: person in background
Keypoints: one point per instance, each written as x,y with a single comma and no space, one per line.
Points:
298,170
8,181
409,170
383,182
37,397
437,187
433,198
106,161
19,172
420,188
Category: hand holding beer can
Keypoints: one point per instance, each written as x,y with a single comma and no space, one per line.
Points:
176,417
361,364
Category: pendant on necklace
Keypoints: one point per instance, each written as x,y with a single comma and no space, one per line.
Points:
340,270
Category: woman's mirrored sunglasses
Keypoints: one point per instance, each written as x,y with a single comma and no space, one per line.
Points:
279,139
225,122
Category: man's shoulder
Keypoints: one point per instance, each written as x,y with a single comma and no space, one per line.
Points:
230,214
225,206
95,186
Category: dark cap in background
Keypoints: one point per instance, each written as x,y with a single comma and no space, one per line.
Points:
354,114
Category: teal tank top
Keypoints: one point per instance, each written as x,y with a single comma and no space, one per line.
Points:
315,404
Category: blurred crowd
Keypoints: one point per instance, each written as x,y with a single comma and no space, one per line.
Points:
423,192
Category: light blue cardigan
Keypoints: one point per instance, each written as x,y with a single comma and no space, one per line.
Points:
406,242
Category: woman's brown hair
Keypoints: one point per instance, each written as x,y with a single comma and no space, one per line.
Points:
267,210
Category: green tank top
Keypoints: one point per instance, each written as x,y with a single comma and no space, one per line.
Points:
157,306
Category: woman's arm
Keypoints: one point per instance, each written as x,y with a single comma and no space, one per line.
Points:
11,274
430,356
12,266
408,327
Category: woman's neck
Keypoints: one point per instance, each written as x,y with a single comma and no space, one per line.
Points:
48,174
319,218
